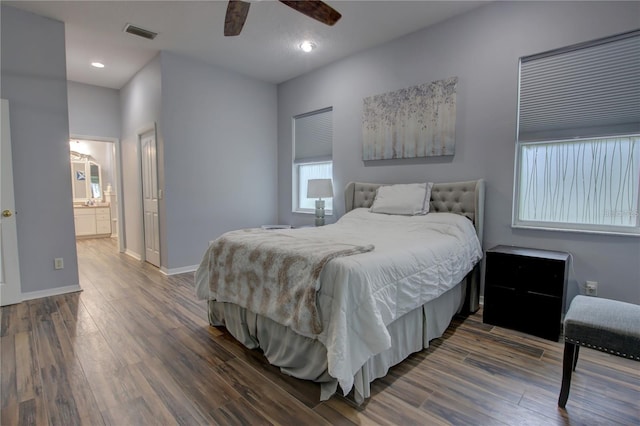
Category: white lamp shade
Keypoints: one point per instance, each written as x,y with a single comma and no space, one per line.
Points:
319,188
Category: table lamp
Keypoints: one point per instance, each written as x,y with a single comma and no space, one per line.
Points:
319,188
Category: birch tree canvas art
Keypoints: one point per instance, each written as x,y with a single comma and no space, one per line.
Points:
418,121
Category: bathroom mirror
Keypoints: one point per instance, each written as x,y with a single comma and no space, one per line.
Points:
78,180
96,191
86,179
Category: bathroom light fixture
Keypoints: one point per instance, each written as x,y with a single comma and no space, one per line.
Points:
97,64
307,46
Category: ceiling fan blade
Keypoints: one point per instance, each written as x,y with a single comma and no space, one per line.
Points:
318,10
236,15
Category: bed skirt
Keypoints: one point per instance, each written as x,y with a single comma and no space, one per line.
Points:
306,358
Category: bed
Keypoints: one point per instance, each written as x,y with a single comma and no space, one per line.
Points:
394,288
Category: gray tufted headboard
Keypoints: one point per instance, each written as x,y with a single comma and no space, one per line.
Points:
465,198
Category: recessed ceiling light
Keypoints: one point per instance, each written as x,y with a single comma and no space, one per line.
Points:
97,64
307,46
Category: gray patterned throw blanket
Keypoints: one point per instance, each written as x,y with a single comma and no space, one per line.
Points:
275,274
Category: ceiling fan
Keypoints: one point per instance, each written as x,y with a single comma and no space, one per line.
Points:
237,13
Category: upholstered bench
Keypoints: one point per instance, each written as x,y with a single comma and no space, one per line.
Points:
606,325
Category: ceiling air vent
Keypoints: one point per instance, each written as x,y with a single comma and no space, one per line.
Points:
140,32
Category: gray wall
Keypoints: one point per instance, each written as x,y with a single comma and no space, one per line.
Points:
93,110
220,148
482,49
35,83
140,107
217,148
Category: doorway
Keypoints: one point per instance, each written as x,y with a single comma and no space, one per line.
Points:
97,188
10,291
150,195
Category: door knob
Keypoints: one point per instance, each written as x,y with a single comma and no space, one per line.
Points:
6,213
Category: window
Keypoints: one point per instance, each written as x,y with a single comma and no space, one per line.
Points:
313,140
578,141
308,171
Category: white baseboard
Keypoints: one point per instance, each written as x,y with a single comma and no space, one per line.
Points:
133,254
50,292
181,270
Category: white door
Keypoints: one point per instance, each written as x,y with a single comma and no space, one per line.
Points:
9,265
150,197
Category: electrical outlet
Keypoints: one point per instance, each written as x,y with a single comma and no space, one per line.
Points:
58,263
591,288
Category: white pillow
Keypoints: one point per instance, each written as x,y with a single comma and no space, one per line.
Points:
403,199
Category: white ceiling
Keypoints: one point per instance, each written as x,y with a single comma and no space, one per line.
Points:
267,48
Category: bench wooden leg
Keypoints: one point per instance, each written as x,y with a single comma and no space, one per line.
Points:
575,356
568,364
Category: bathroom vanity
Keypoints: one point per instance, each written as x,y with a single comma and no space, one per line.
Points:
92,221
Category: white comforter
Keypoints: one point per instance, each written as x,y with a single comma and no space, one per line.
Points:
415,260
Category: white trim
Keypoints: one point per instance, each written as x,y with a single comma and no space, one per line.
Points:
545,227
147,128
50,292
133,254
181,270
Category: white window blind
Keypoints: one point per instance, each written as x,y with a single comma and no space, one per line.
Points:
313,136
586,90
578,139
312,156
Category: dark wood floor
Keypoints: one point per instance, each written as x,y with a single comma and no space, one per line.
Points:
134,348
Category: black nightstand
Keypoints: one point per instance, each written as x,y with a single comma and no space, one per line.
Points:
524,289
